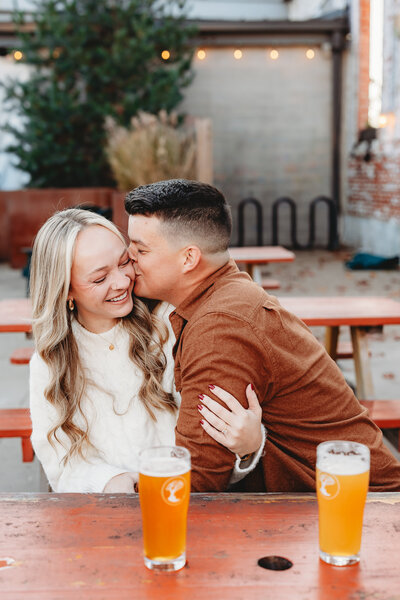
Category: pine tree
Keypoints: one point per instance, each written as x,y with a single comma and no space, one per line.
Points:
93,59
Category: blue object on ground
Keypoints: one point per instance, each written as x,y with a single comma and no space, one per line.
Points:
369,261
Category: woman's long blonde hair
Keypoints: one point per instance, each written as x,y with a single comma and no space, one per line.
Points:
51,264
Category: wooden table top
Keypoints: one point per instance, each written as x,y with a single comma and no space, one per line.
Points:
90,546
343,310
261,254
15,315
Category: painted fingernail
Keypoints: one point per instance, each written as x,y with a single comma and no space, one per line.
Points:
252,386
200,407
201,396
211,387
202,422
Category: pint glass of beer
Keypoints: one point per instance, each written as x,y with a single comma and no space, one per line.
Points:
164,492
342,485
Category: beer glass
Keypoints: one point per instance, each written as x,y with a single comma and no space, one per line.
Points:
342,485
164,491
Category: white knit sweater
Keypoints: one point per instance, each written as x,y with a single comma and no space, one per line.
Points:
119,424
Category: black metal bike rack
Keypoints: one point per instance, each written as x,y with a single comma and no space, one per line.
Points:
333,240
259,220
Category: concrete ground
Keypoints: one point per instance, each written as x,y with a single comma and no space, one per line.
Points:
314,273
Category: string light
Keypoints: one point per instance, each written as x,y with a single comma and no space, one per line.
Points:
201,54
383,120
310,54
18,55
238,54
274,54
165,54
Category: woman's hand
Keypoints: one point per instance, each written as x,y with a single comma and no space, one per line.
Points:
236,428
121,484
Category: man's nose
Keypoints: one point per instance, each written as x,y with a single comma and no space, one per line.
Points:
132,255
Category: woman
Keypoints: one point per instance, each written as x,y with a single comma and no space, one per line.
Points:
101,380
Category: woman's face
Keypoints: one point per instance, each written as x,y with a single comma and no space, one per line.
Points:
102,278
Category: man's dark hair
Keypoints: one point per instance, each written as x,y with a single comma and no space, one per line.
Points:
190,210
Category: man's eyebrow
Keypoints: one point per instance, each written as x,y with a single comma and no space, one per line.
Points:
140,242
107,266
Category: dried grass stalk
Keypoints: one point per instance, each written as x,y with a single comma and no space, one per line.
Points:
153,148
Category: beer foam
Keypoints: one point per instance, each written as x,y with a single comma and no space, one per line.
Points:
164,467
340,464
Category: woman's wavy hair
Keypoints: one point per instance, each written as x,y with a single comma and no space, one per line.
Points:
50,279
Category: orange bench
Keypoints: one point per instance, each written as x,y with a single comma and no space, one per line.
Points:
384,413
22,356
16,422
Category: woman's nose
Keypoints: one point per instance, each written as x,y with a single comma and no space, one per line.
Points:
122,279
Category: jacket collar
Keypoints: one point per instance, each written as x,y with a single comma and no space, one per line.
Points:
189,306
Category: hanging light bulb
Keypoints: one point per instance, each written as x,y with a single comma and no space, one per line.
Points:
165,54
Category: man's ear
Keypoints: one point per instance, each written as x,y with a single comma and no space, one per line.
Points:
191,258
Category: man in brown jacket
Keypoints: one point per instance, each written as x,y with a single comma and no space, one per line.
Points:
229,332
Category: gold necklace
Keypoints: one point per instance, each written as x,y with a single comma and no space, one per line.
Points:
111,346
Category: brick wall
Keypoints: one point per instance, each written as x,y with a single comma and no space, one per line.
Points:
373,187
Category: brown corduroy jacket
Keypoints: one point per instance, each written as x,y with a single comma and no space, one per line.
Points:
230,332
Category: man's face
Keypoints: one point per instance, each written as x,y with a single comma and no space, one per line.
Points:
157,260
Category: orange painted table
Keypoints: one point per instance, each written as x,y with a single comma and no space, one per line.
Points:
357,312
90,546
252,256
15,315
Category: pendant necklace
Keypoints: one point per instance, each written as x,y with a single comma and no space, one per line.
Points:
111,345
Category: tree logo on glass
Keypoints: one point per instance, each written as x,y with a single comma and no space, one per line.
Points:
329,485
174,490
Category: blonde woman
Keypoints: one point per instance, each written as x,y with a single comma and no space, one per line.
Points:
101,379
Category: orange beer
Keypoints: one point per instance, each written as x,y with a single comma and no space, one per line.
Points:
342,484
164,491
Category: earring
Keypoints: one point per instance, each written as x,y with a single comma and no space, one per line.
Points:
71,305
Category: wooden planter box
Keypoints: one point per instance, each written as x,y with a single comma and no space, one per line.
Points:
27,210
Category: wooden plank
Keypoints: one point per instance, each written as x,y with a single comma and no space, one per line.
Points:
16,422
261,254
15,315
385,413
90,546
204,150
341,310
22,356
331,341
364,384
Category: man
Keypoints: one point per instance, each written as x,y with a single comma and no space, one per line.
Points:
231,333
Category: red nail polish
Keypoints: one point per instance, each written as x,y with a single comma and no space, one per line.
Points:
202,422
200,407
252,386
211,387
201,396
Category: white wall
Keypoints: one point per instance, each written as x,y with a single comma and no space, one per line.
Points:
10,177
271,126
248,10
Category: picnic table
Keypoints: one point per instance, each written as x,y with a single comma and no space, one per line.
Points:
15,315
253,256
357,312
90,546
